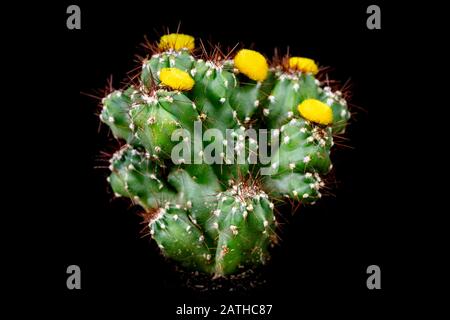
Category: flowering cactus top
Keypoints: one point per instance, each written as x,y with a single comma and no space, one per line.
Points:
252,64
303,64
176,41
176,79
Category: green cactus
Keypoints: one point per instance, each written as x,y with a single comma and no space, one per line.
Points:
218,217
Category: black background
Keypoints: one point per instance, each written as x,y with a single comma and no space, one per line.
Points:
325,250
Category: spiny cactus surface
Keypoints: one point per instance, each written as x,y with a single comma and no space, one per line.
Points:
216,214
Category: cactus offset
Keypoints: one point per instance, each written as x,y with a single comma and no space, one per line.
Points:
219,218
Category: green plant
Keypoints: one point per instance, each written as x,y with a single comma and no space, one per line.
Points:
218,218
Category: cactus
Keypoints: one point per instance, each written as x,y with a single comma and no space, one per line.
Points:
219,218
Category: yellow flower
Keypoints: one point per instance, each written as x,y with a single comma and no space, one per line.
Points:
252,64
303,64
176,41
316,111
176,79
